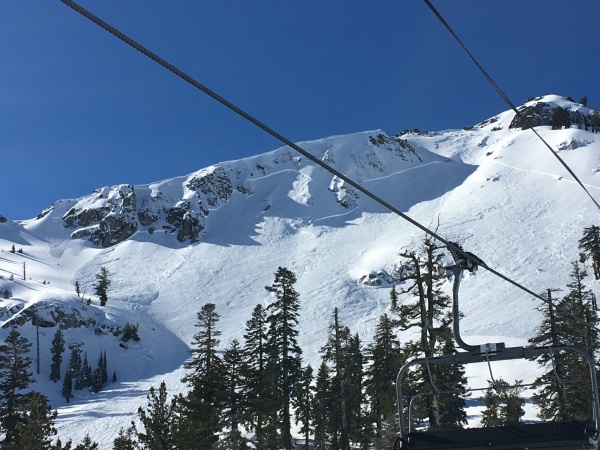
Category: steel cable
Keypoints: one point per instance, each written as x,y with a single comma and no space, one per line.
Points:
170,67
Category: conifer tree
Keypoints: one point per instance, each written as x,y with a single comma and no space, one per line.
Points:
57,349
158,420
77,288
104,369
303,404
85,378
98,375
234,402
258,392
102,284
385,358
37,428
595,121
358,426
322,407
87,444
560,118
15,377
67,389
125,440
574,322
201,407
75,362
344,354
590,246
284,352
429,312
503,404
393,298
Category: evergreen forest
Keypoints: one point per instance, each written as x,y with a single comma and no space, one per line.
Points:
257,393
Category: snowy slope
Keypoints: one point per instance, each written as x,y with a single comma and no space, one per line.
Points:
495,189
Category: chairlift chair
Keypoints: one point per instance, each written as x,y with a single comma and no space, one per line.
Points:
543,435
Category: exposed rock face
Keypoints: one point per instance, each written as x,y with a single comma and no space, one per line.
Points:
540,113
182,219
214,184
3,219
50,314
108,219
181,206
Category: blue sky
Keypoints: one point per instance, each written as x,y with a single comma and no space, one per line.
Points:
81,110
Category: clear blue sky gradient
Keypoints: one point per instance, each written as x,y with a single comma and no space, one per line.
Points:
81,110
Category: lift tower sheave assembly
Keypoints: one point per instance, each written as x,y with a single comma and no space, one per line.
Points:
543,435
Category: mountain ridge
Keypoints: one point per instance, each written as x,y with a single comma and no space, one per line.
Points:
491,187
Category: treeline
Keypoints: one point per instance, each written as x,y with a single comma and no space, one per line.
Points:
251,394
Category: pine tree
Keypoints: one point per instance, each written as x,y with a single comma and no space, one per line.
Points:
57,349
98,375
158,421
15,377
430,314
37,428
357,418
104,369
342,351
574,321
560,118
125,440
102,284
258,392
67,389
303,404
87,444
75,362
322,407
385,358
130,332
234,402
77,288
201,408
590,246
59,445
393,298
284,352
503,404
595,121
85,378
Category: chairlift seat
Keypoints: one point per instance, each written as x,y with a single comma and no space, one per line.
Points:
544,435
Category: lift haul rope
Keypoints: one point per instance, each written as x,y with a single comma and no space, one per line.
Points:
521,116
170,67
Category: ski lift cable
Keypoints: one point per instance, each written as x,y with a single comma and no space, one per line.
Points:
187,78
504,97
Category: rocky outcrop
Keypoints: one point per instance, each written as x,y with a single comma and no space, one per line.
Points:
3,219
537,113
107,219
212,184
184,221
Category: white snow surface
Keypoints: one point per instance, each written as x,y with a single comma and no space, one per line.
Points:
497,191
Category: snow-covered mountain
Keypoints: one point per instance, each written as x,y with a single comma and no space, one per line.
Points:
219,234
